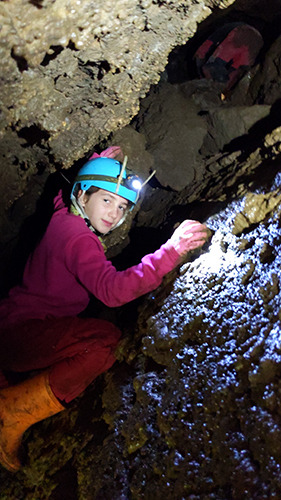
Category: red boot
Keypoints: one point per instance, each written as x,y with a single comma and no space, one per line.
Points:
21,406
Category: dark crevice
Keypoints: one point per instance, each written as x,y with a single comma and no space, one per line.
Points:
37,3
249,142
104,67
154,183
153,366
41,167
57,49
71,46
21,61
66,483
95,69
33,135
31,231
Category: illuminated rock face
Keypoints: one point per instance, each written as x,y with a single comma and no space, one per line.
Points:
201,415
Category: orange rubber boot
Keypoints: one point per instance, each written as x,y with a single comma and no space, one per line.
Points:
21,406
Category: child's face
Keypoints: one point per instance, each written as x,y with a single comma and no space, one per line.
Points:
104,209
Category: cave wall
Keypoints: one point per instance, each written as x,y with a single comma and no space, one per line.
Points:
199,417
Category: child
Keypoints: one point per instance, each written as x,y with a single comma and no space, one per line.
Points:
40,327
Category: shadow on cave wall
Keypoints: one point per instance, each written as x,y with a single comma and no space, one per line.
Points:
249,142
34,226
30,233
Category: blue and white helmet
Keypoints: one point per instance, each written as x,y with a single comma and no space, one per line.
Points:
109,174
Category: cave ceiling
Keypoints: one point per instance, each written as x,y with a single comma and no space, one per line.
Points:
192,408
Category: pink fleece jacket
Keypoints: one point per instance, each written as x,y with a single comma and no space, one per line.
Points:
69,265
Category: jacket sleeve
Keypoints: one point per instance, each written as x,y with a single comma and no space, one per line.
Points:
85,259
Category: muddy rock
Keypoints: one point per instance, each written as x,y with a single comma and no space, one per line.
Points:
215,345
174,134
257,207
265,87
230,123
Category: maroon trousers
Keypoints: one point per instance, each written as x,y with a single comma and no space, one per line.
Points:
75,350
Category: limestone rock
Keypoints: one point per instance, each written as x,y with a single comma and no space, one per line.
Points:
174,133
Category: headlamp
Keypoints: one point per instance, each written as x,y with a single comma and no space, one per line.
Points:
133,182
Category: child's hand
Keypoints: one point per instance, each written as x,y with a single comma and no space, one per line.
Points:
188,236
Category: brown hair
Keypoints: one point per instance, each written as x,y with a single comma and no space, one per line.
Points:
94,189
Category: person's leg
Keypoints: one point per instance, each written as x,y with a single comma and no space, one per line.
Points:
75,350
91,354
69,352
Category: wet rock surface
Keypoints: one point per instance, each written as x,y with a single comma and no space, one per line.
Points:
205,422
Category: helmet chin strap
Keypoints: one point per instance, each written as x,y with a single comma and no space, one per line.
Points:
78,208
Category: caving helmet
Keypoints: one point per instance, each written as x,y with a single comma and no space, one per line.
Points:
109,174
